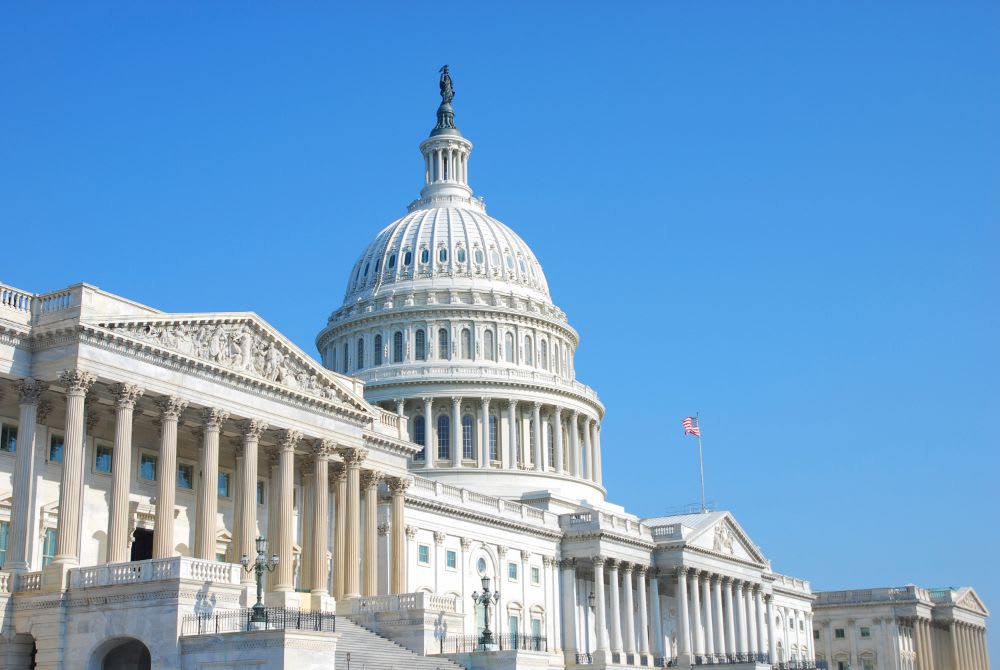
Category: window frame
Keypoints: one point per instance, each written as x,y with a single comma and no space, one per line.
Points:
421,548
420,345
444,344
443,426
98,445
468,437
377,350
513,571
229,483
536,575
53,435
397,347
451,560
138,466
8,426
194,473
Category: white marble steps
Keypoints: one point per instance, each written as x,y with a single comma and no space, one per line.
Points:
371,651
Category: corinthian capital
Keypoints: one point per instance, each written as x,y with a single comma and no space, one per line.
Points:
322,449
126,395
29,390
353,456
214,418
371,479
399,484
287,439
171,406
77,382
253,428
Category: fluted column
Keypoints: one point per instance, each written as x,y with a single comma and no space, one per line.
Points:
655,614
208,491
629,607
484,440
557,444
719,625
322,451
353,457
536,428
598,474
732,642
574,444
697,633
751,624
397,488
640,581
772,640
430,444
759,608
741,617
23,480
166,479
76,383
287,440
588,449
706,597
457,434
340,528
370,480
512,428
567,570
616,611
683,617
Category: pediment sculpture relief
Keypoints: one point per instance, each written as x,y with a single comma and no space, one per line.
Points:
723,539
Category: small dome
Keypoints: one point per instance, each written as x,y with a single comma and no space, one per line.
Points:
442,248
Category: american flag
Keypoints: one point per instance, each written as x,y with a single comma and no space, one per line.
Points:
691,426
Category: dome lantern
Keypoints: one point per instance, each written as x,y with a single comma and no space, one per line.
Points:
446,158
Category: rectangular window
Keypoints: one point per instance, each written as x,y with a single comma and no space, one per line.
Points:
4,536
423,554
452,560
224,481
514,624
220,558
838,633
56,449
102,459
867,664
866,631
536,576
185,476
147,467
816,634
260,492
8,438
536,634
49,547
512,571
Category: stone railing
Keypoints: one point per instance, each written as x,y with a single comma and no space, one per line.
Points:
671,531
889,594
499,508
389,423
596,520
791,583
29,581
5,582
402,602
176,567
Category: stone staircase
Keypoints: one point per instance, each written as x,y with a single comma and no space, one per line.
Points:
371,651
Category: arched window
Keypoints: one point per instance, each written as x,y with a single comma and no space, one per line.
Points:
397,347
467,451
518,446
466,344
392,261
444,437
489,348
443,255
551,446
531,437
529,354
407,257
460,254
420,345
343,364
493,438
444,350
425,255
420,436
508,347
479,256
544,355
360,362
377,354
555,358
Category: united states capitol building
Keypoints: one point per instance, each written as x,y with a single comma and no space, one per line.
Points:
437,475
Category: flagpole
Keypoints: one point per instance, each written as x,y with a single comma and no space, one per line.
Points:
701,464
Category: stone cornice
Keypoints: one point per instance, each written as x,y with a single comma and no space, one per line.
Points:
481,517
609,536
680,545
385,443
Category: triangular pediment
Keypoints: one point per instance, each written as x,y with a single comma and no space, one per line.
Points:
727,538
971,601
241,343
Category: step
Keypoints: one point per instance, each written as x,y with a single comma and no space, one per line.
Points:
371,651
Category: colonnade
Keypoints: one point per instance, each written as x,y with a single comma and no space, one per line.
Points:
350,482
517,434
446,164
968,646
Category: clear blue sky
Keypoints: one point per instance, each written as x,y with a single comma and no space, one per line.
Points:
782,215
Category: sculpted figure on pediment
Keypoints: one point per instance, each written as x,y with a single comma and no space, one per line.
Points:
723,539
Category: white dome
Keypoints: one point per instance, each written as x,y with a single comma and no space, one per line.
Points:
442,248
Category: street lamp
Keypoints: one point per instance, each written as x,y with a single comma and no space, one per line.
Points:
485,599
258,615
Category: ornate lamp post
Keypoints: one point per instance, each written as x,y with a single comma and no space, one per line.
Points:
260,565
485,599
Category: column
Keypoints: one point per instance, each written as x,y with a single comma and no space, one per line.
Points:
551,611
536,427
588,449
706,595
306,467
574,444
457,434
397,524
629,607
353,457
759,609
772,641
740,617
273,477
339,528
616,610
430,444
697,633
683,618
512,440
732,643
287,440
600,609
322,451
918,644
484,439
166,478
654,606
640,581
557,442
369,484
567,569
208,485
77,383
598,475
23,480
751,619
718,624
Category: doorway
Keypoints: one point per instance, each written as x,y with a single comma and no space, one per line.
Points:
142,545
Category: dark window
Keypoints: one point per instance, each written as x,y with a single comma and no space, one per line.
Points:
466,344
444,350
838,633
442,255
397,347
8,438
467,428
343,364
360,362
420,346
407,257
420,436
493,439
425,256
488,346
56,448
102,459
377,353
392,261
444,437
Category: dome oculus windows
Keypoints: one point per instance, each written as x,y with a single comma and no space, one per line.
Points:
443,255
407,258
392,261
478,255
425,255
460,254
